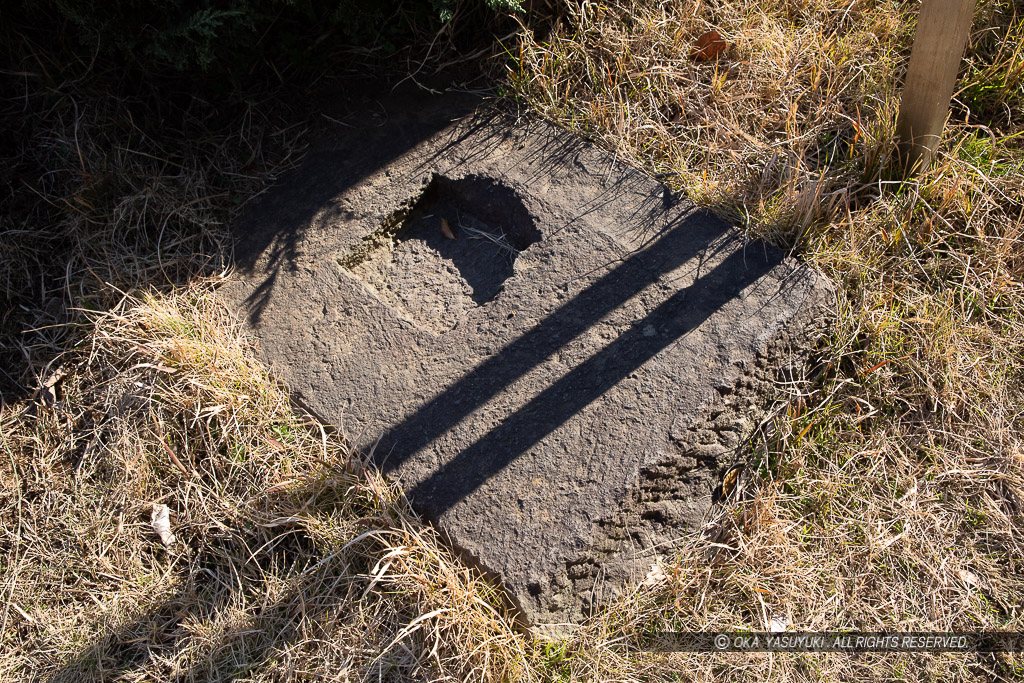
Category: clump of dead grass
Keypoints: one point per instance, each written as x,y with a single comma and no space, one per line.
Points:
767,133
110,194
289,559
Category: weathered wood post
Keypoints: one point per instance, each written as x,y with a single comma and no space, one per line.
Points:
942,30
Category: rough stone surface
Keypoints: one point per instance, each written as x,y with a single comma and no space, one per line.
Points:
560,386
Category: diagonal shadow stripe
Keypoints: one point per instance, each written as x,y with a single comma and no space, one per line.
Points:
557,403
682,240
690,238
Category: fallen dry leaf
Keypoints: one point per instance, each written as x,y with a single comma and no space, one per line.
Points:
709,46
778,623
969,578
655,576
54,377
47,391
161,521
446,229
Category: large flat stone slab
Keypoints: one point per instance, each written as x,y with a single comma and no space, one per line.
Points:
553,354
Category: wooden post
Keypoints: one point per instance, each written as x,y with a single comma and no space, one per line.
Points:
943,27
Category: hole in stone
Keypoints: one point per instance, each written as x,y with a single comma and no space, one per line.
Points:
433,279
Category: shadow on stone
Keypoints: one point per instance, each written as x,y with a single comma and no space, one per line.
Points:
446,251
411,117
555,404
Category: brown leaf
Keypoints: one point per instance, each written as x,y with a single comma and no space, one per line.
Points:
446,229
47,396
709,46
968,577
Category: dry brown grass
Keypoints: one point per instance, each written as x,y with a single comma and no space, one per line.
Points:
889,494
289,559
